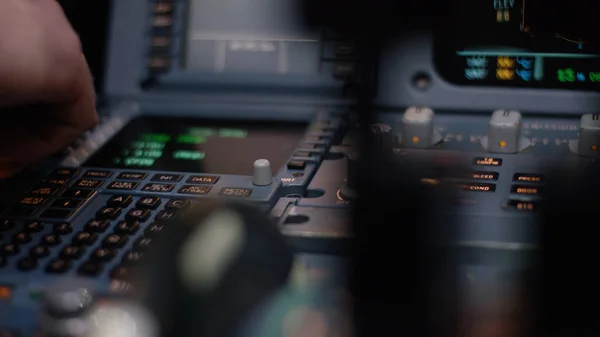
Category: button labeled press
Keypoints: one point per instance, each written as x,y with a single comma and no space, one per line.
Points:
528,178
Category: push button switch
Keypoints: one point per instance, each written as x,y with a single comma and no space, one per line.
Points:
149,202
77,193
90,268
167,178
72,252
132,176
138,214
97,174
296,165
97,226
67,203
120,201
58,266
109,213
62,228
89,183
123,185
525,189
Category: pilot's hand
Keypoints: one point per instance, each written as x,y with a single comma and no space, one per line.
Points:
42,66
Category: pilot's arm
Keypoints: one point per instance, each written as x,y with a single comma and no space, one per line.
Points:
41,65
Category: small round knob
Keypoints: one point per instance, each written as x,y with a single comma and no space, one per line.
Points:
348,191
417,128
263,175
67,298
588,143
504,134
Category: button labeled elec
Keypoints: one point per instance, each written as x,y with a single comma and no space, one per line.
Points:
528,178
521,205
487,161
524,189
479,175
479,187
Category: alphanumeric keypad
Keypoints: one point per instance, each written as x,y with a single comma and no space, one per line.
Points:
58,266
85,238
33,227
62,228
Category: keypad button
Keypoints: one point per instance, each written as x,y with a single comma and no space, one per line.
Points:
166,216
91,268
123,185
51,240
209,180
154,229
33,227
526,190
194,190
3,261
479,187
137,214
177,204
64,172
121,273
97,226
296,165
6,225
39,251
78,193
89,183
148,202
55,213
85,238
158,188
62,228
97,174
142,243
27,264
235,192
67,203
109,213
120,201
487,161
44,191
127,227
22,238
55,181
166,178
132,176
32,201
115,241
9,249
58,266
132,257
104,254
72,252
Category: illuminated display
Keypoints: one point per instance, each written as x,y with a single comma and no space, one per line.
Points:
520,43
203,146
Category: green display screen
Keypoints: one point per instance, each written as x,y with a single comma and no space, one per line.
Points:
201,146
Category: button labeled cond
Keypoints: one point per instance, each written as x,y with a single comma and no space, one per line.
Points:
479,187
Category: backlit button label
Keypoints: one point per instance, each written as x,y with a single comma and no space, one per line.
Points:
196,190
479,187
44,191
202,180
235,192
487,161
32,201
524,189
123,185
132,176
479,175
528,178
89,183
523,205
167,177
56,181
158,188
98,174
64,172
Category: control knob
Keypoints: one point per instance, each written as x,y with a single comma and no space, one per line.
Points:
348,190
417,129
505,133
66,307
262,175
588,141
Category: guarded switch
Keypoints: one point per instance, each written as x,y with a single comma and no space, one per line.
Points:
504,134
589,135
263,175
